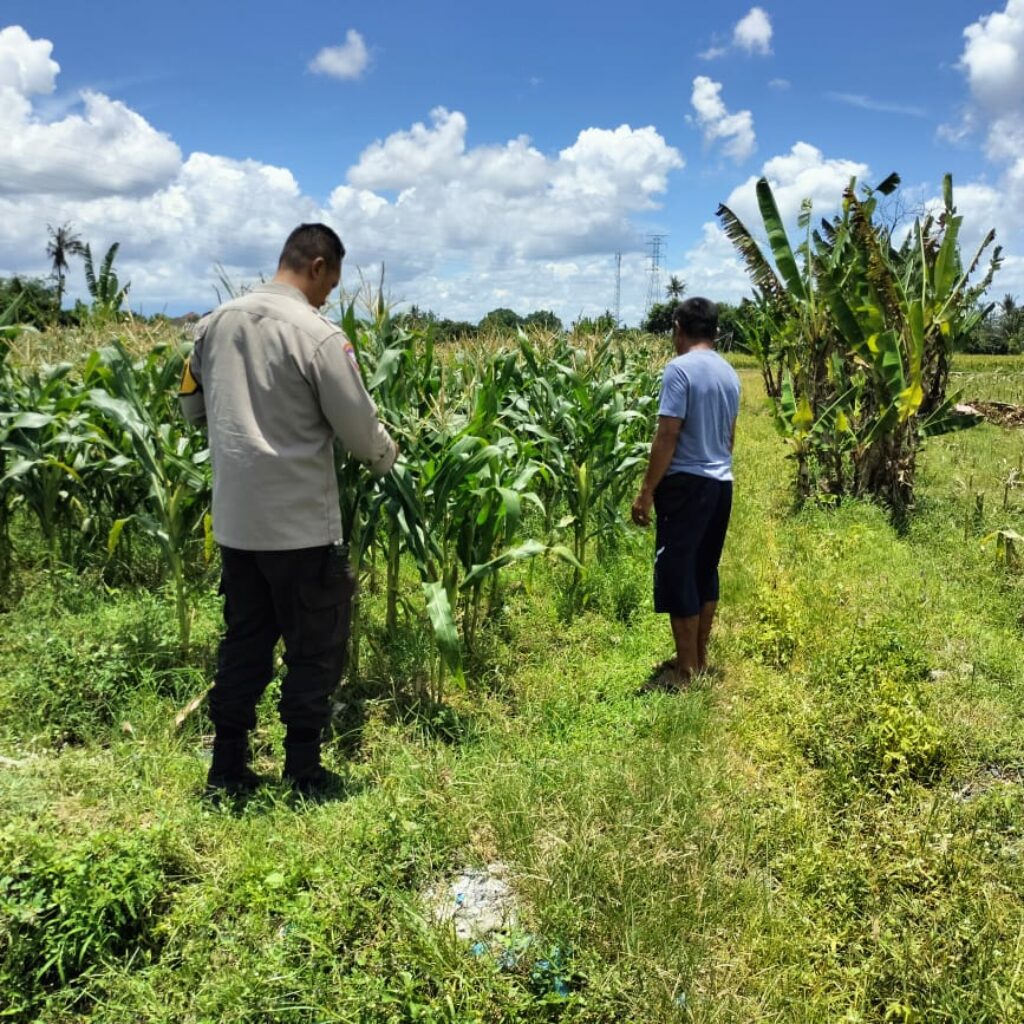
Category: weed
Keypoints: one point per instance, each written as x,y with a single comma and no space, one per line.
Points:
70,908
774,637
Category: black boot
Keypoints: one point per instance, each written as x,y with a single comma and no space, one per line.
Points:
230,774
307,776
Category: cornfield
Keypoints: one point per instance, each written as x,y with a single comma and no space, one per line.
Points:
511,451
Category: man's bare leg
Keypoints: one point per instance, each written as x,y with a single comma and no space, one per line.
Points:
685,631
706,618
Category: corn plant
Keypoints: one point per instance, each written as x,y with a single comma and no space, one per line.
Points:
584,420
455,500
130,403
49,443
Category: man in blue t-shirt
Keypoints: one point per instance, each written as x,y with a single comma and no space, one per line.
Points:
689,483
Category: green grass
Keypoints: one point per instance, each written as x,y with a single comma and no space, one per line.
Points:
834,831
989,378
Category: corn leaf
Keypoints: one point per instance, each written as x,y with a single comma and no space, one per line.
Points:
442,621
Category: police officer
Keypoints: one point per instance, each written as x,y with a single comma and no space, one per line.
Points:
275,383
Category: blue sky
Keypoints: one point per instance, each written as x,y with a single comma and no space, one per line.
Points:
549,136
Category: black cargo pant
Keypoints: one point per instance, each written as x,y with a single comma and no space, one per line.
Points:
304,596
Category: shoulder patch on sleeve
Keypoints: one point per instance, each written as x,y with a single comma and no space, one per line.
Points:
350,351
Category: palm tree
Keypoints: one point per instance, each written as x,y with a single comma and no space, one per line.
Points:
675,289
63,243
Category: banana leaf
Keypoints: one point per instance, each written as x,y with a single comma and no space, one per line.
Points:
779,241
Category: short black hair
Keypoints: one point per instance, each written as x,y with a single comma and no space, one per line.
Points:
309,242
697,318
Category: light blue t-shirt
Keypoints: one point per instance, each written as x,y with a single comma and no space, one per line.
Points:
702,390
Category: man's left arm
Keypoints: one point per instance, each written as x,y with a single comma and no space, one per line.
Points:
348,407
662,450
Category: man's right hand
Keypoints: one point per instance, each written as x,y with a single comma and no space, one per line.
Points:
642,509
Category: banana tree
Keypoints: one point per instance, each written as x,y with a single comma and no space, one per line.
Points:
855,338
108,294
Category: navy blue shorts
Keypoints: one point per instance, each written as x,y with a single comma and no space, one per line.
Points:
692,516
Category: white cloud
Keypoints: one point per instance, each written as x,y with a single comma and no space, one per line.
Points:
782,84
215,211
347,61
456,225
753,32
496,202
957,132
103,149
584,286
735,130
803,172
25,63
852,99
993,62
107,149
712,268
992,58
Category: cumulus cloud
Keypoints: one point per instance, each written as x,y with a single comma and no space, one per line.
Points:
711,268
25,63
104,149
992,58
993,63
753,32
584,286
736,131
458,226
107,149
804,172
502,201
347,61
216,210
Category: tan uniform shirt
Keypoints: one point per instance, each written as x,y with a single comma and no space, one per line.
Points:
276,382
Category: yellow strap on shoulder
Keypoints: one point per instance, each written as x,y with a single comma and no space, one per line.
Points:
189,385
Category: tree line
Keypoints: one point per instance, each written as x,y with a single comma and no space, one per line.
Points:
39,302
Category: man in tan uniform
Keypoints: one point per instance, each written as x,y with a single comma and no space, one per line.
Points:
275,383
